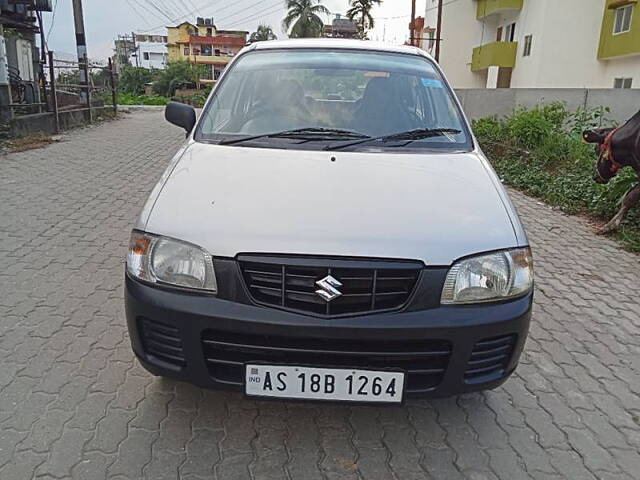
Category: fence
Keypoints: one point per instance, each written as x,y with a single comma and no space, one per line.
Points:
76,87
59,99
478,103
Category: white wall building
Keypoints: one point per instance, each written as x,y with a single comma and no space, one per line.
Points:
151,51
539,43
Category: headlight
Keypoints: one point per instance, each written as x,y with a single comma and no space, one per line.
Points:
490,277
170,262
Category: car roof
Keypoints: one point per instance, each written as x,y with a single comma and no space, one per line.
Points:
337,44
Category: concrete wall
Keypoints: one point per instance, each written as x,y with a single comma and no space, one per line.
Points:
45,122
478,103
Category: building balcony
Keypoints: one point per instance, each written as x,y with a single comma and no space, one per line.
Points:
207,59
624,43
490,7
496,54
218,40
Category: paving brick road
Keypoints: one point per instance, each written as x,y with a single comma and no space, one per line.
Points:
75,404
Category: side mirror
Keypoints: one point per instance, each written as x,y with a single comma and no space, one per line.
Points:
181,115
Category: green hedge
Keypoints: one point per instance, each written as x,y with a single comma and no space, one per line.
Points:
540,151
129,99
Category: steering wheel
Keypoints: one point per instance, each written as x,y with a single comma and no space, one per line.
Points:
269,118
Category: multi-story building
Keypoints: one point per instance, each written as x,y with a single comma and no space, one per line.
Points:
151,50
204,44
141,50
340,28
539,43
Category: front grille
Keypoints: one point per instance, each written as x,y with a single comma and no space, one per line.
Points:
162,342
290,284
489,357
425,361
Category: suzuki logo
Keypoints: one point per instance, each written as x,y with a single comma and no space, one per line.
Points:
328,288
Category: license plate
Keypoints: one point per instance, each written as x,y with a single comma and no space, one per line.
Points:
330,384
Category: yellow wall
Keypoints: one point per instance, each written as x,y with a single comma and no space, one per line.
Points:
182,32
175,53
615,45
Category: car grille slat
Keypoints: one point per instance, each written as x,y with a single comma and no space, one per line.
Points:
490,361
266,279
289,283
300,282
162,338
162,342
164,346
489,357
425,361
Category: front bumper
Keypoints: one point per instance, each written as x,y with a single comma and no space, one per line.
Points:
206,340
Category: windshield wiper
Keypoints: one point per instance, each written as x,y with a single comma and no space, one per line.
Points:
308,133
409,136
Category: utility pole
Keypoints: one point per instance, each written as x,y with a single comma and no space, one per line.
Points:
135,49
412,34
83,60
439,32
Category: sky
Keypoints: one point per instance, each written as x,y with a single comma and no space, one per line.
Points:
105,19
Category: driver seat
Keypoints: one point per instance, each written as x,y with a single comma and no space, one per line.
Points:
282,108
380,111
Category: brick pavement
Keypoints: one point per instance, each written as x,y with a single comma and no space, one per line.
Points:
75,404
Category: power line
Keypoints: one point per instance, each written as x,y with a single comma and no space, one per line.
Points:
170,7
247,8
156,8
233,5
53,21
254,15
184,5
174,20
273,8
392,18
137,12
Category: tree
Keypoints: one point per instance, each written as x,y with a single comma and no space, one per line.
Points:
177,75
360,14
262,34
134,79
304,16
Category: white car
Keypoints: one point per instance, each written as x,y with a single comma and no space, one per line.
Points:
330,230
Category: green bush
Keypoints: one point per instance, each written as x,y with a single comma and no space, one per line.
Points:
134,79
177,75
540,151
531,127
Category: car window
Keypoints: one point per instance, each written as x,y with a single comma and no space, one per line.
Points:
371,93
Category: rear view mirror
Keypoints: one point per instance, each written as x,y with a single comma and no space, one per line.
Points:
181,115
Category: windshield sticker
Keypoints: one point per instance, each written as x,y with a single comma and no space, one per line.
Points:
377,74
431,82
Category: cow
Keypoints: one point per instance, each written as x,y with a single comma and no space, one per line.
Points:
617,148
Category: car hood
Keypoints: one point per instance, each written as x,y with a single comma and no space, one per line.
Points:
433,207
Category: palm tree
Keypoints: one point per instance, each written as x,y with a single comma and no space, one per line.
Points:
360,14
304,16
262,34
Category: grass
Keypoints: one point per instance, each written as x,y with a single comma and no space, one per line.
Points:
27,142
539,151
130,99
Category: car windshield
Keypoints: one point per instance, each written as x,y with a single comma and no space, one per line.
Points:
323,98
